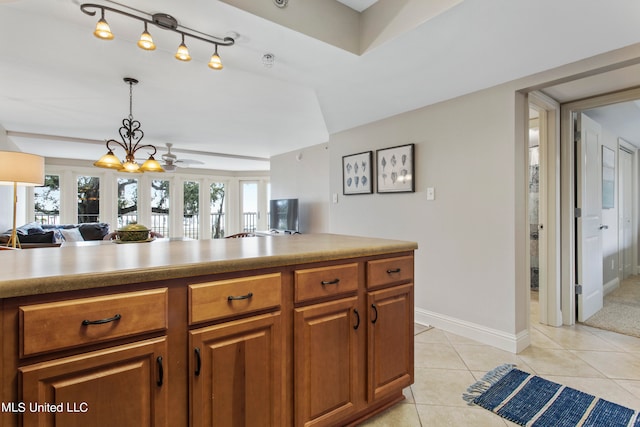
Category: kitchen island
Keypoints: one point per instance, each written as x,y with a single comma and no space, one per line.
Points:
312,330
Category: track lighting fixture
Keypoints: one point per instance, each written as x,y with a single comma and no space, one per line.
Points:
164,21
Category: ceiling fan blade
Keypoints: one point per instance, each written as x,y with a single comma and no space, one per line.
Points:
189,162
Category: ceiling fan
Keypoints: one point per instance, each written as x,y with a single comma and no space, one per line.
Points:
171,160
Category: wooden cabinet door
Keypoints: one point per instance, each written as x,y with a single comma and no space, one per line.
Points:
236,373
123,386
390,341
326,362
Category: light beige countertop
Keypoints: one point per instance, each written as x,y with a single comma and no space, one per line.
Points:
47,270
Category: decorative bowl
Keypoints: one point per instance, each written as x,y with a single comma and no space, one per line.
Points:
133,233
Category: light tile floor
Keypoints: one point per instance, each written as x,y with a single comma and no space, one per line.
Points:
595,361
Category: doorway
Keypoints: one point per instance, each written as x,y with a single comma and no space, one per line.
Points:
620,252
544,207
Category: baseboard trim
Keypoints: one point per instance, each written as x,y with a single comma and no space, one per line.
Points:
502,340
611,285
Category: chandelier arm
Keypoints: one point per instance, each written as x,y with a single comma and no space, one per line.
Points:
221,41
138,147
120,144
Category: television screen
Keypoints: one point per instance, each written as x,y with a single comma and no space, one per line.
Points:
283,215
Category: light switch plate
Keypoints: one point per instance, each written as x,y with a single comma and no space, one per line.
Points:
431,193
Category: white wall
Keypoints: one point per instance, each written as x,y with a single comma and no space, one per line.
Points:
471,275
466,261
304,174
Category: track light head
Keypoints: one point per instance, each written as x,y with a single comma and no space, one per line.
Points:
146,41
102,30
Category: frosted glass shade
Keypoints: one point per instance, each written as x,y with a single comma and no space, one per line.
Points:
21,168
109,161
183,53
146,42
151,165
215,63
103,31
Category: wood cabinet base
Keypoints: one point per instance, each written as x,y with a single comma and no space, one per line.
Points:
320,344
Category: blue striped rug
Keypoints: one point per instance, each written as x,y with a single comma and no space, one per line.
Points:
529,400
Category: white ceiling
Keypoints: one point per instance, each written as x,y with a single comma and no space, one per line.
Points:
622,119
358,5
59,81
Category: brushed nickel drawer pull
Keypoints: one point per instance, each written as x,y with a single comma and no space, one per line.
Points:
101,321
330,282
234,298
396,270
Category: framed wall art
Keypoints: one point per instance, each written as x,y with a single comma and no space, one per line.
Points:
356,173
396,169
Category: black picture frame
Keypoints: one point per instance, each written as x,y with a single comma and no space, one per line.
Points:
356,173
396,169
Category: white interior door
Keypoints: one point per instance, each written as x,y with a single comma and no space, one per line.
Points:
589,222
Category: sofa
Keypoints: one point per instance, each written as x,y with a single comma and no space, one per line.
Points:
43,235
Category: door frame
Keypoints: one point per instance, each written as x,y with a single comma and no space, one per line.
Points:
633,151
567,153
549,241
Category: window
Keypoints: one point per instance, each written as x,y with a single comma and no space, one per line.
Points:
88,199
127,201
47,201
191,209
160,207
217,194
249,206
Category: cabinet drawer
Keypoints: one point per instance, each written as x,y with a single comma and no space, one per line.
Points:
225,298
389,270
58,325
325,281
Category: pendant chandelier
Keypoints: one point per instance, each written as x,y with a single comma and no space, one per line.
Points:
161,20
131,135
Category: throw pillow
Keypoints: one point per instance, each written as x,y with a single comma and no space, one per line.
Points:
72,235
46,237
30,228
93,230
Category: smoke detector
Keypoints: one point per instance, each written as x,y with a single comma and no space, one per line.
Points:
281,3
268,59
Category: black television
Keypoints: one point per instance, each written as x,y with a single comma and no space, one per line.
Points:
283,215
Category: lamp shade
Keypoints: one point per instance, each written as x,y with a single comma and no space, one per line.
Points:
21,168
